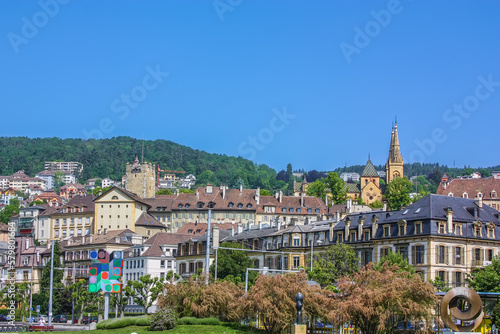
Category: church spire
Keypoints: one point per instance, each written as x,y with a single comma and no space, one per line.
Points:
395,164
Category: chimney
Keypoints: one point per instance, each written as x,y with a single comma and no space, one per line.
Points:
209,189
276,195
337,216
117,240
278,223
215,237
384,208
177,192
223,192
232,231
349,205
260,225
241,188
332,225
240,229
346,229
479,201
302,199
326,200
257,195
449,219
197,195
281,196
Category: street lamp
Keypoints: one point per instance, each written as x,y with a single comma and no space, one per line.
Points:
312,249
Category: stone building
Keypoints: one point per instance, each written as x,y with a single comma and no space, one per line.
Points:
140,179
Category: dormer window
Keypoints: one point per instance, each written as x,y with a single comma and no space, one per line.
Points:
465,195
200,205
114,197
479,195
181,206
211,204
450,194
317,210
309,210
493,194
249,205
240,205
231,204
187,206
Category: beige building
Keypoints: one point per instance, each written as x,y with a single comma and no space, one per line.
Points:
75,218
140,179
118,209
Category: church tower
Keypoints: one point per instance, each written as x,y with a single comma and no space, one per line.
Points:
394,166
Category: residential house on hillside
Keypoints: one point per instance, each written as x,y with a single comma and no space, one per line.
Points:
488,189
70,190
28,263
27,221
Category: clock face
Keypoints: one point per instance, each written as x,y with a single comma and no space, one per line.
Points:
136,168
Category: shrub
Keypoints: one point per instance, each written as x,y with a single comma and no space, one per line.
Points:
164,319
123,322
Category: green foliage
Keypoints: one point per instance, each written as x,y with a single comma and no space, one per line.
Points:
163,319
265,192
199,321
495,315
233,263
486,279
145,290
98,183
332,186
395,259
397,194
377,205
59,303
439,285
98,191
124,322
164,192
337,260
9,210
317,189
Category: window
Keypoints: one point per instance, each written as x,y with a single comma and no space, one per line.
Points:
387,231
458,255
489,255
296,240
458,229
418,254
418,228
477,231
385,251
458,278
352,236
442,275
309,210
441,228
465,195
401,230
25,275
290,210
296,262
441,254
366,235
114,197
403,250
340,237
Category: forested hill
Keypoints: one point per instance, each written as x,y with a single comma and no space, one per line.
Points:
107,158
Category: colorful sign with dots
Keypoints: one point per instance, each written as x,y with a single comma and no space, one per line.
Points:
105,271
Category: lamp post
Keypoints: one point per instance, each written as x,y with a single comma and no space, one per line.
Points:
312,249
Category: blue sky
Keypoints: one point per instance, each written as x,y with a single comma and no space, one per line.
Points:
314,83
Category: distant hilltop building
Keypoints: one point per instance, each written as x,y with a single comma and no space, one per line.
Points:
68,166
140,178
350,177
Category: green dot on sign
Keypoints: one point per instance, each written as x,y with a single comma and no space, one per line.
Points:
116,288
108,287
92,288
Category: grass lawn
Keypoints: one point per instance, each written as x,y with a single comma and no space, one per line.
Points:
180,329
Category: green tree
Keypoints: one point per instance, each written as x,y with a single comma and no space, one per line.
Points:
233,262
58,180
98,191
486,279
338,193
265,192
337,260
145,291
317,189
81,297
397,194
439,284
395,259
9,211
98,183
164,192
376,204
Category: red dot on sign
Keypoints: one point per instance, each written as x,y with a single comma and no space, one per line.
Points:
104,275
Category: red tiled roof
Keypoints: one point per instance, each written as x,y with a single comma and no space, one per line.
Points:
472,187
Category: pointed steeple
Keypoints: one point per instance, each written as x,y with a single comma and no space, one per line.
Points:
394,152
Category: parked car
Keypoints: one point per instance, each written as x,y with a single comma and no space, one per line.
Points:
3,317
61,318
